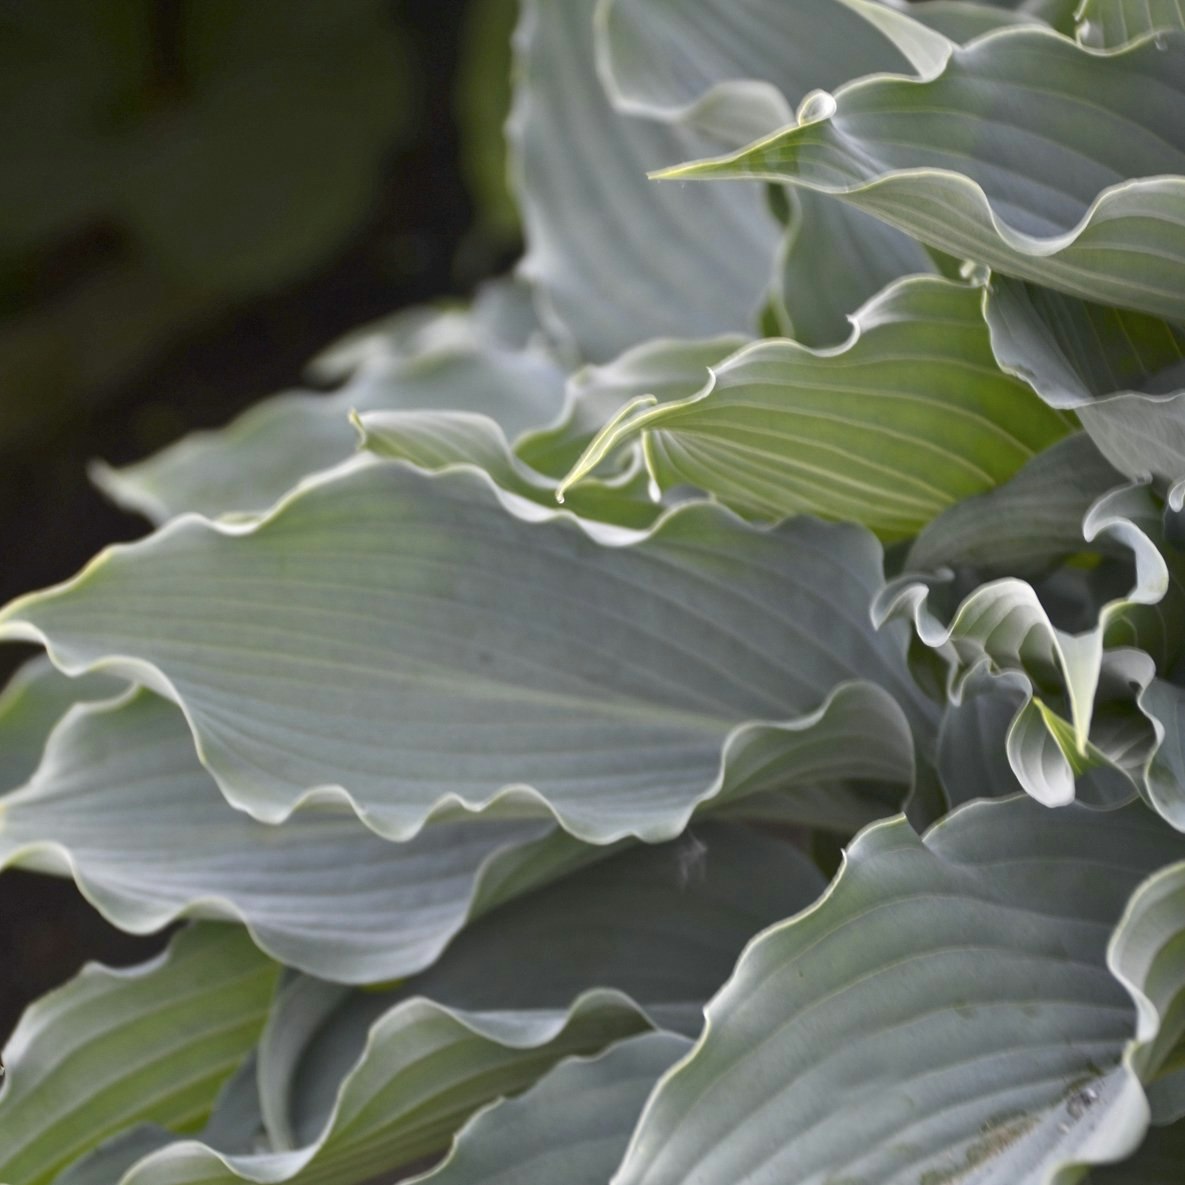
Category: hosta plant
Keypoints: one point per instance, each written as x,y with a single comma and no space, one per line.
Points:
712,710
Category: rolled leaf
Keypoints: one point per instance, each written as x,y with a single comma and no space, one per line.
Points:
1005,623
1146,956
972,756
436,441
665,369
35,699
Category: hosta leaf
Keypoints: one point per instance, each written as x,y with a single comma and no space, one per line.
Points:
840,768
702,61
416,329
235,1125
573,1125
663,58
963,20
1147,954
1029,154
617,260
906,418
341,647
1054,766
972,760
1025,525
1109,23
35,699
663,924
112,1159
424,1071
247,466
834,258
436,441
236,1122
115,1048
1059,14
1164,704
1122,372
122,804
1006,623
948,999
1075,352
665,369
1142,437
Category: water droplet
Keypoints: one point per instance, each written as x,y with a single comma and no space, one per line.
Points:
816,106
976,274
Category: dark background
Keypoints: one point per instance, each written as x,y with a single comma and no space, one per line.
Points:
106,351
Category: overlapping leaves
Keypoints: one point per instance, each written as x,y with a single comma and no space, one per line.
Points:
349,1084
992,1042
403,720
339,650
1023,151
910,416
113,1049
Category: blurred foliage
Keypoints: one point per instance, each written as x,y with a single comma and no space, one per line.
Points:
482,106
167,157
233,143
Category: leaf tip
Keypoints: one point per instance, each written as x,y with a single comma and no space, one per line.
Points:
359,425
676,172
